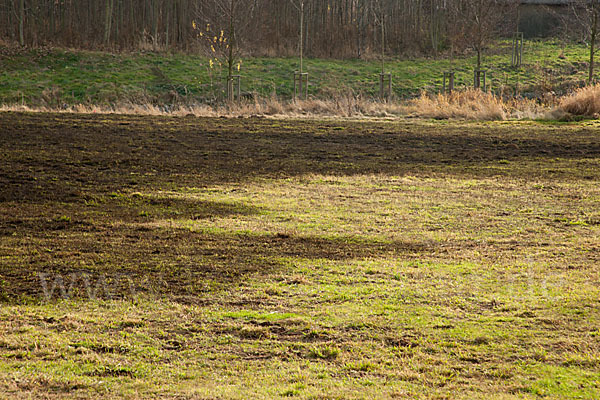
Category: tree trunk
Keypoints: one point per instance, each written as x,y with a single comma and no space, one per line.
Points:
382,42
593,35
301,36
168,22
22,22
118,20
108,21
231,39
155,23
52,22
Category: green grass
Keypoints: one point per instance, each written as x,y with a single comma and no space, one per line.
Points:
249,258
58,77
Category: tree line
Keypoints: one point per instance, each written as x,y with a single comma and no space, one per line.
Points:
331,28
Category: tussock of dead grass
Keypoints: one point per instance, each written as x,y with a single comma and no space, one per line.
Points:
584,101
476,105
525,109
470,104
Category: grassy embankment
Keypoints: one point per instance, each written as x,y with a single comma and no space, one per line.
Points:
247,258
69,77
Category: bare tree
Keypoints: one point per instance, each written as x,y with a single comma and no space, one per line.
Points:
299,4
20,12
223,27
108,17
361,17
437,24
380,13
476,23
587,13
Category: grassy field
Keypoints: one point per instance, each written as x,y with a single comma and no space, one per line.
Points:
187,258
59,77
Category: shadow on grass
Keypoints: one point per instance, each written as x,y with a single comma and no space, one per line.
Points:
118,209
130,245
176,263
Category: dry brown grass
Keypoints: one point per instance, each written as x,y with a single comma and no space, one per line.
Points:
342,106
478,105
584,101
469,105
347,106
199,110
